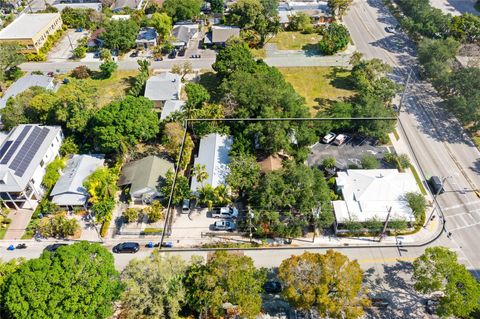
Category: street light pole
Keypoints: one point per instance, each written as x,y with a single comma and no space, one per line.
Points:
435,200
407,82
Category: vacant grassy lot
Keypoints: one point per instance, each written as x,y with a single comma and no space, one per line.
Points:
111,89
319,84
295,40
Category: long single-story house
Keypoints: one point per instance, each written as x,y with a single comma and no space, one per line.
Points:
213,153
145,178
24,155
372,193
163,87
24,83
183,33
69,191
220,34
319,11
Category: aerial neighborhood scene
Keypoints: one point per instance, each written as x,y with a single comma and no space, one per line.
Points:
239,159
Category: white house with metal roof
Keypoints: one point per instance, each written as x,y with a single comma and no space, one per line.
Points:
213,152
24,155
171,106
372,193
163,87
24,83
69,191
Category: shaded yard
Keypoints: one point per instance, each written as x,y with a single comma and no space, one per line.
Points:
319,84
294,40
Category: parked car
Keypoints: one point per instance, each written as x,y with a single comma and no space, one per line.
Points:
181,52
128,247
173,54
96,55
225,212
52,248
134,54
436,185
390,29
186,206
225,225
272,287
50,74
327,139
340,139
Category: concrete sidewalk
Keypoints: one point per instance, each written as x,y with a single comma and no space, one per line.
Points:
20,219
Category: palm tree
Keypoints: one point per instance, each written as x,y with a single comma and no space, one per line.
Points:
200,172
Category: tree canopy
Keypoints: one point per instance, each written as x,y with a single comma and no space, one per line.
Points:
331,283
122,124
225,278
120,34
182,10
335,38
10,57
162,23
162,295
77,281
438,270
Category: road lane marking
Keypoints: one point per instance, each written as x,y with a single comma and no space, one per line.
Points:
462,205
463,227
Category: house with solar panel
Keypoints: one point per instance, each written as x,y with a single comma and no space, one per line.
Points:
24,155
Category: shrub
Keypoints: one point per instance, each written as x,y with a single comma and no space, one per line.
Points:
154,212
58,225
130,215
417,203
80,52
81,72
104,228
329,162
398,224
52,172
369,162
107,68
404,161
152,231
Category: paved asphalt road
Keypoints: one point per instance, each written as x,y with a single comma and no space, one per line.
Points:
439,144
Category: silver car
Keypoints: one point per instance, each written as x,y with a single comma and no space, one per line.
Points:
225,225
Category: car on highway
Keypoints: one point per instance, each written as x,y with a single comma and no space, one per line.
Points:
340,139
272,287
327,139
225,212
53,247
436,185
127,247
225,225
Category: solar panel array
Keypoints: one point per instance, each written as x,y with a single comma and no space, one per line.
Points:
5,148
29,148
13,148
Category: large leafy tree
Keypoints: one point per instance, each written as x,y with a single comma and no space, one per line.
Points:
235,56
436,57
182,187
335,38
172,138
77,281
217,6
123,124
244,173
10,57
162,23
339,7
438,270
225,278
162,295
120,34
331,283
181,10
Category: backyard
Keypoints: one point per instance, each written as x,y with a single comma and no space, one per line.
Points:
319,84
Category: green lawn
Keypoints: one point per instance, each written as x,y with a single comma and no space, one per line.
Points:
319,84
114,87
295,40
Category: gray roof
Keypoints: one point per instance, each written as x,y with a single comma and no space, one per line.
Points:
69,190
94,6
24,83
213,152
132,4
184,32
21,154
162,87
221,34
145,174
147,35
27,25
170,107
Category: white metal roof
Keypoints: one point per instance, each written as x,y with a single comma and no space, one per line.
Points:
371,193
213,153
170,107
27,25
24,83
162,87
69,190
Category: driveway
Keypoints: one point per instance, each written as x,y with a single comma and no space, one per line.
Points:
20,219
349,153
64,48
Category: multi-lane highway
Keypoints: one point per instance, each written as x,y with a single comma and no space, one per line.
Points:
436,140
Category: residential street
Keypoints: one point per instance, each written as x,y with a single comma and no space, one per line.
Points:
439,144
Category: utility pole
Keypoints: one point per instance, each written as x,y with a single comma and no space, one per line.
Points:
71,45
407,82
250,216
386,224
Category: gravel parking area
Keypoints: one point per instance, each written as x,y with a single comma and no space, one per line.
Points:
350,153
